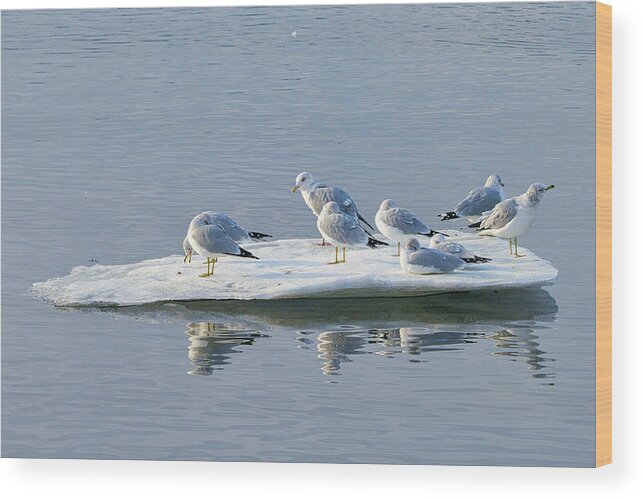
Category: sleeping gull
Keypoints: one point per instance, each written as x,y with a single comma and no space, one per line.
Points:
211,241
479,200
316,195
236,232
439,243
414,259
512,217
340,229
399,224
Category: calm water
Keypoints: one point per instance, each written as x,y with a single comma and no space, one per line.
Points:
119,125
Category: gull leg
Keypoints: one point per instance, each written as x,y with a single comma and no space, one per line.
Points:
208,272
189,256
344,254
336,256
516,248
398,249
511,250
214,260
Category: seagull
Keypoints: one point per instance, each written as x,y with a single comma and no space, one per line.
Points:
340,229
439,243
316,195
512,217
399,224
479,200
236,232
211,241
414,259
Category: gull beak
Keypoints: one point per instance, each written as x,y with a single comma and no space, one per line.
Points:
502,184
295,189
550,187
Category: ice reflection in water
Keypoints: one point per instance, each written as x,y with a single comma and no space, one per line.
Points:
338,331
211,347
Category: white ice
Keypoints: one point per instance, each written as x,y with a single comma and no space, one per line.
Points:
292,268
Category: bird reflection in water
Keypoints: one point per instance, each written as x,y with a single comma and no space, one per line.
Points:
337,347
340,346
522,343
212,345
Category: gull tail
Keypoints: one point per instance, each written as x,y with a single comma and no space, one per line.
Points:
477,259
258,236
362,219
449,215
374,243
432,233
246,254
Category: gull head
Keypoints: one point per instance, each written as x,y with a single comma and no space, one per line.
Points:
304,181
536,191
331,208
412,245
437,239
387,204
494,181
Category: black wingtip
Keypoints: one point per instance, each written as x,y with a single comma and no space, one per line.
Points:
258,236
246,254
475,225
432,233
362,219
373,243
449,215
477,259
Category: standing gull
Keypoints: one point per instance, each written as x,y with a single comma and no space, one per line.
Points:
340,229
399,224
512,217
316,195
414,259
236,232
479,200
439,243
211,241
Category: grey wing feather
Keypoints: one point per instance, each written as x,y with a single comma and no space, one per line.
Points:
215,240
433,258
405,221
233,229
343,228
478,201
501,215
322,195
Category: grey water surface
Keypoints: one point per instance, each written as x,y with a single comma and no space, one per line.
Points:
119,125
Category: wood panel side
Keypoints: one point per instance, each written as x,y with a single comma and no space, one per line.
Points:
603,234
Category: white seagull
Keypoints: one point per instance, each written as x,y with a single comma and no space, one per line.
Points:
414,259
512,217
236,232
340,229
398,224
211,241
478,200
316,195
456,249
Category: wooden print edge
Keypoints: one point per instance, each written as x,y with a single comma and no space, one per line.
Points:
603,234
